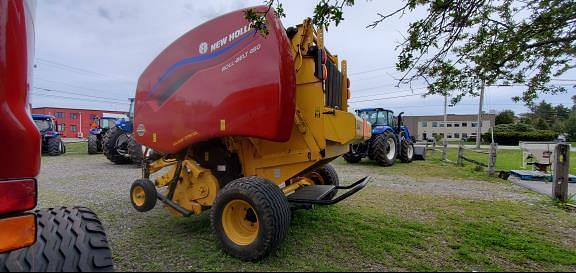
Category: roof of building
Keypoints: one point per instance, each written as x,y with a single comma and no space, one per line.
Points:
41,117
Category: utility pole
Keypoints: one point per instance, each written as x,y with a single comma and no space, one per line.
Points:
479,125
445,146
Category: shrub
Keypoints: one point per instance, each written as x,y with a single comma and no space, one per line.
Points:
510,137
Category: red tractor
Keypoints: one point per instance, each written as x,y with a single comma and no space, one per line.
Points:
63,239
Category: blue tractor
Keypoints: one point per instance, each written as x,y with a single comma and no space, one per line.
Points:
52,143
390,140
99,128
118,142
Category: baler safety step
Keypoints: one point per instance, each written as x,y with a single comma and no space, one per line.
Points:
312,192
315,195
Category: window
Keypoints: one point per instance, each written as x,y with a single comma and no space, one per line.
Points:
457,135
61,127
435,124
424,123
59,115
465,136
73,128
73,116
457,125
442,125
449,136
474,124
464,124
449,125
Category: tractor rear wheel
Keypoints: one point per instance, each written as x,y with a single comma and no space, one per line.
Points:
116,140
55,146
407,152
250,218
325,175
384,149
68,240
92,144
135,151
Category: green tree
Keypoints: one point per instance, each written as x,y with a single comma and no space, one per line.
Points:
461,45
570,127
506,117
542,124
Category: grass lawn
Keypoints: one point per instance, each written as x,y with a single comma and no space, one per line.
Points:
77,148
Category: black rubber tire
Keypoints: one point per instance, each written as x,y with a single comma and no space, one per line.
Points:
135,151
150,195
109,147
272,208
92,145
352,158
380,149
54,146
68,240
405,156
329,177
63,148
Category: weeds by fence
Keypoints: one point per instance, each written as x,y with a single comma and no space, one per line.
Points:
491,157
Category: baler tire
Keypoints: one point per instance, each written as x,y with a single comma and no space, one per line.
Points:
54,146
272,212
407,152
329,178
92,145
150,195
68,240
380,149
135,151
352,158
109,147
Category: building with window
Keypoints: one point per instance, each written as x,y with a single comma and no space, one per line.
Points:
75,123
458,126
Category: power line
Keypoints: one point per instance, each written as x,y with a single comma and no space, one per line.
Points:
387,93
372,70
70,85
77,69
389,98
77,94
78,99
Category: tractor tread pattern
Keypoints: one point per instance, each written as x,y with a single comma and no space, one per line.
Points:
109,147
135,151
68,240
92,144
404,157
273,211
352,158
54,144
379,147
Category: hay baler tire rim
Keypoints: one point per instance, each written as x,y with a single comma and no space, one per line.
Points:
143,195
240,222
270,207
327,176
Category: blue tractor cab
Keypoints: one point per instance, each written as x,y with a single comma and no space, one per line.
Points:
52,143
390,140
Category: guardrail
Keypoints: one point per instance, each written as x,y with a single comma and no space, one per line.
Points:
491,154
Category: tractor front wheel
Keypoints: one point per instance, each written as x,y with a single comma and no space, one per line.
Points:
407,152
250,218
92,145
55,146
384,149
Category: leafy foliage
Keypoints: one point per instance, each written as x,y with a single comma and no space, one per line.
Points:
512,134
506,117
463,45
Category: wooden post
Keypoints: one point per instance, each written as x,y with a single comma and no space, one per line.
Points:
492,159
561,175
445,150
460,161
433,148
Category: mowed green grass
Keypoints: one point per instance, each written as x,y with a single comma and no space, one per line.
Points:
77,148
414,232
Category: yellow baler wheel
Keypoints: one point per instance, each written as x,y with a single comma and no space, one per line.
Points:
240,222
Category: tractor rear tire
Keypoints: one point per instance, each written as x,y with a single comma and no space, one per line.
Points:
55,146
109,147
407,151
326,175
143,195
352,158
68,240
135,151
384,149
250,218
92,145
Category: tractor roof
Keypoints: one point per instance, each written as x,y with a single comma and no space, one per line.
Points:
373,109
42,117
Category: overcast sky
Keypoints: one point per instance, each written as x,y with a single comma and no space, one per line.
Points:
89,54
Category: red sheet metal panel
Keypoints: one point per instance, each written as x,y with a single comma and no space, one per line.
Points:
220,79
20,139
